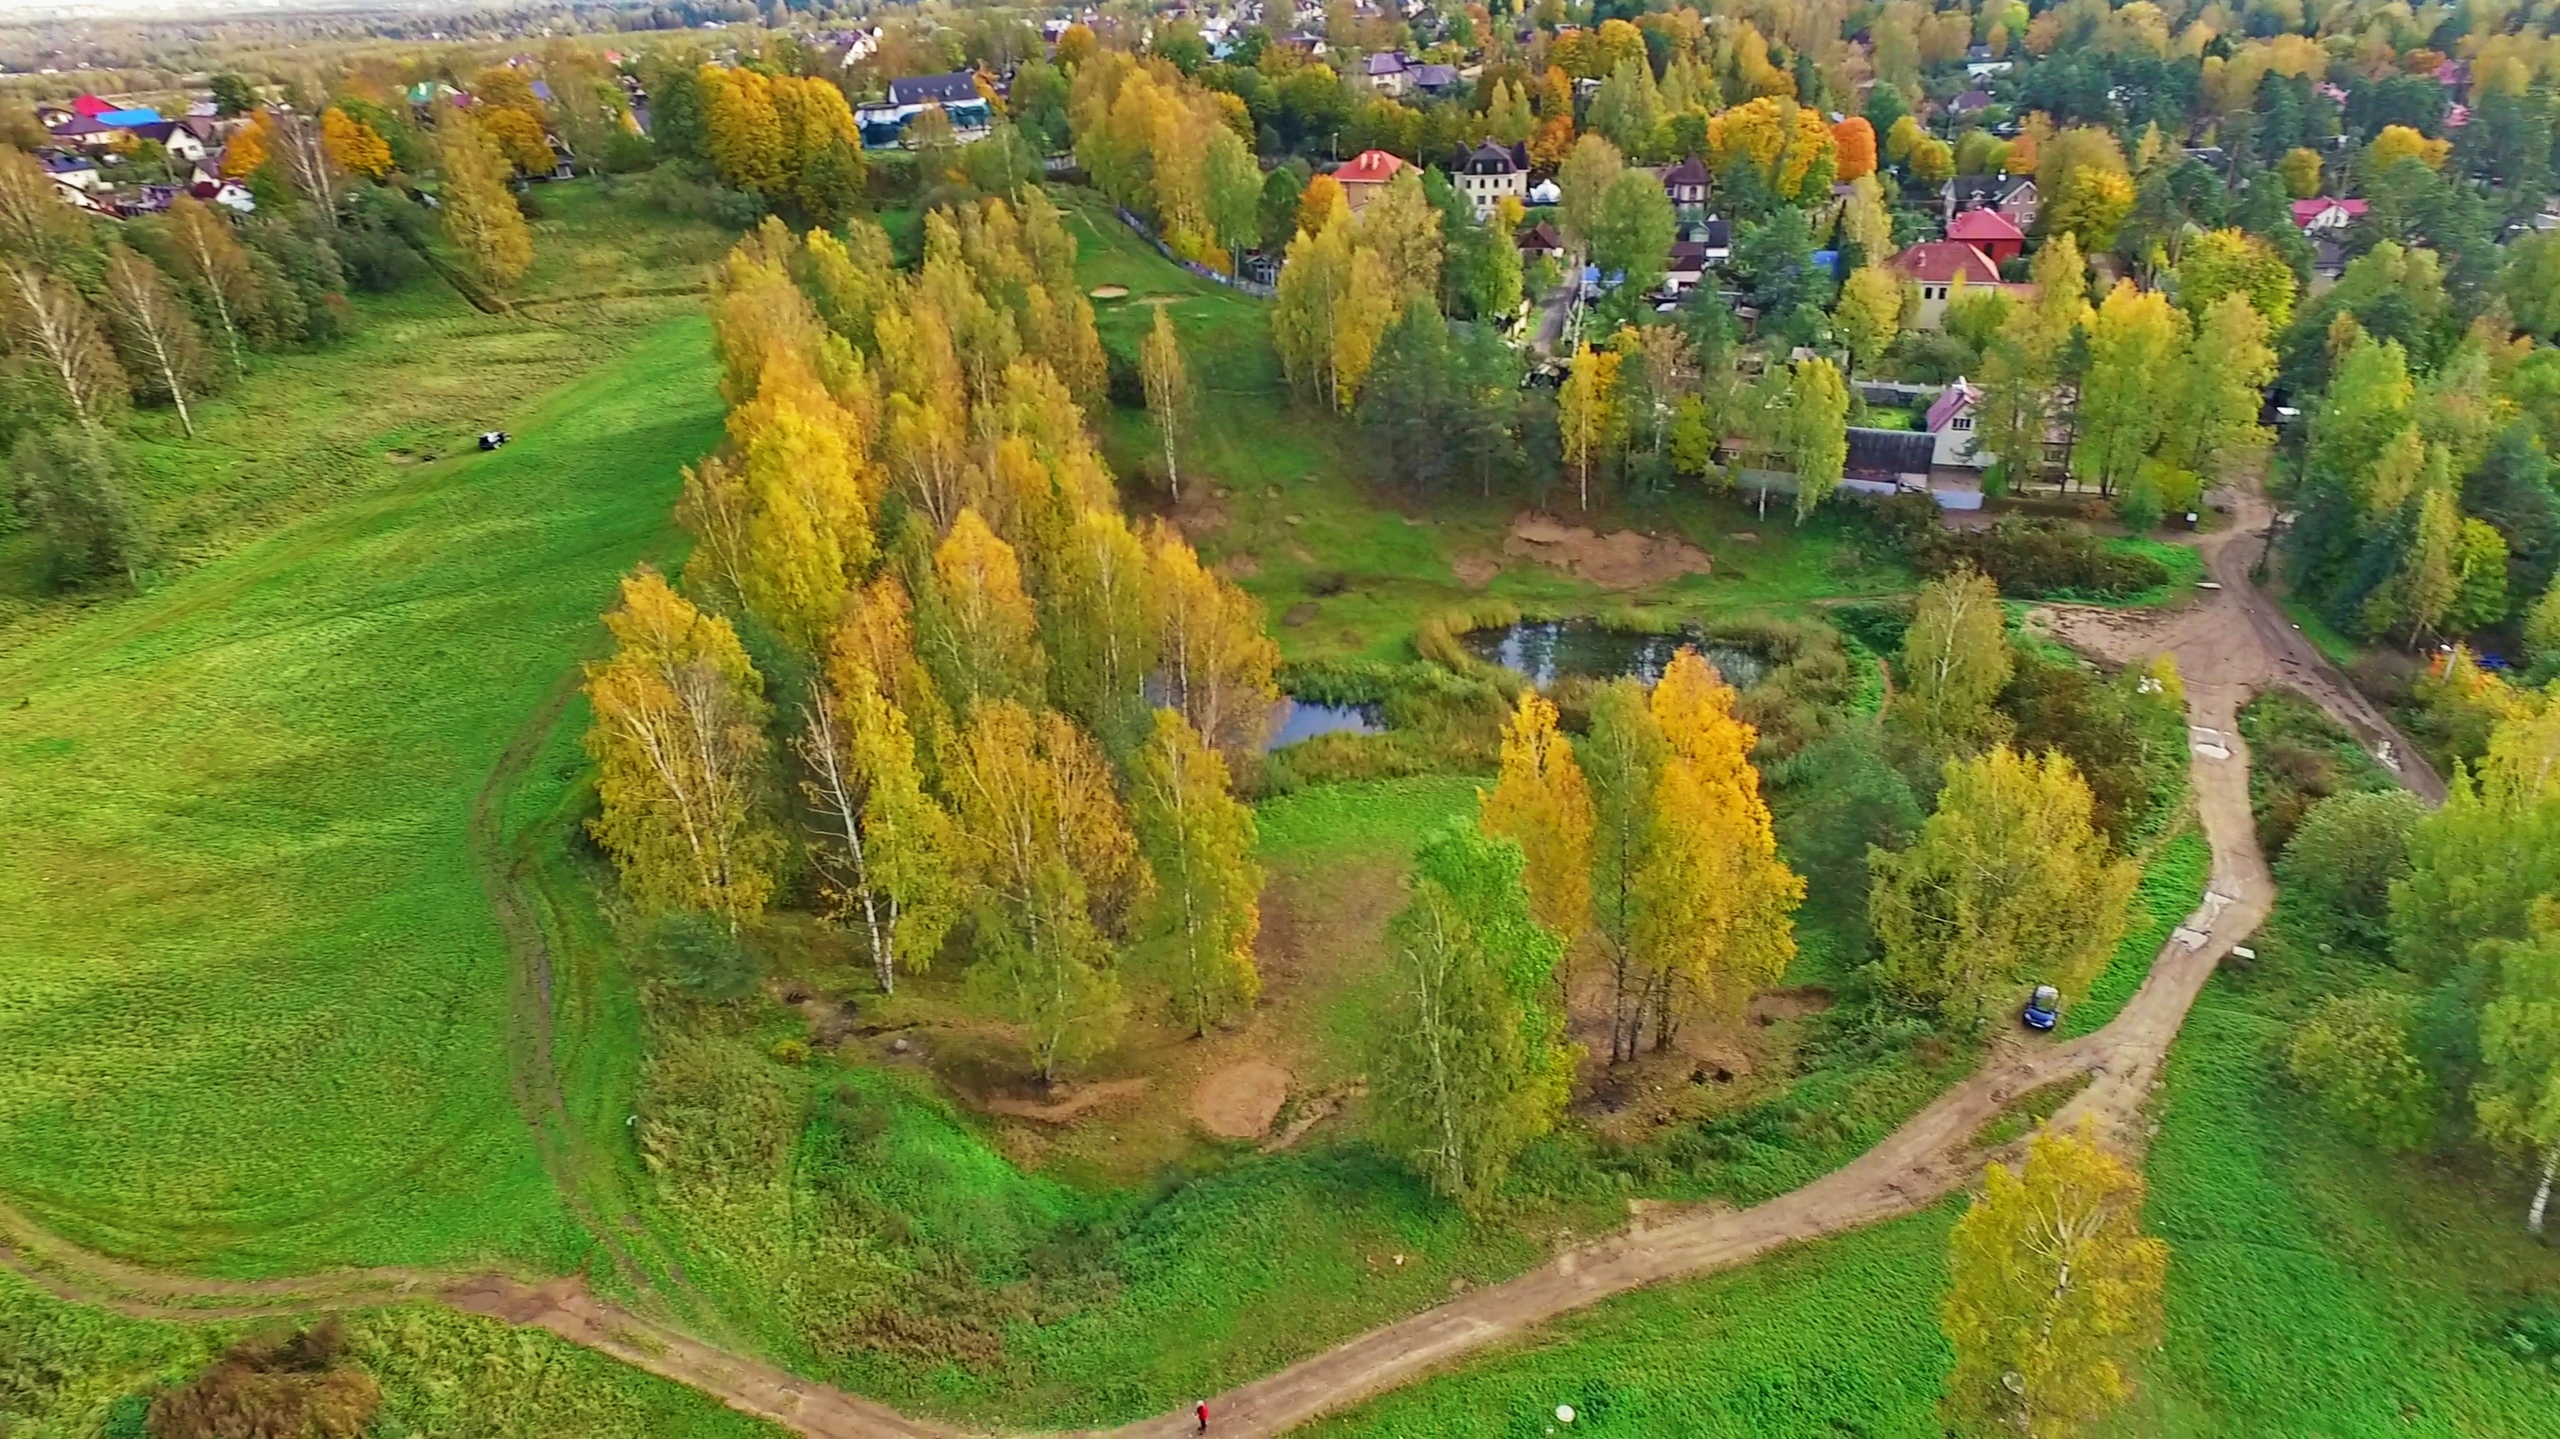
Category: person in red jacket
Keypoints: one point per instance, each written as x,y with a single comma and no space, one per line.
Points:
1201,1409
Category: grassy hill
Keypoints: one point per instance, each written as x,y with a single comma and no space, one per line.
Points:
253,996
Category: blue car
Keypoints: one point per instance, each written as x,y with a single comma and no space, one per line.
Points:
2044,1008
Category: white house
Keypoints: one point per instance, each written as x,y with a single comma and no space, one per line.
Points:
1488,172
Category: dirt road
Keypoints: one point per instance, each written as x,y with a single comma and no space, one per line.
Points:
2227,647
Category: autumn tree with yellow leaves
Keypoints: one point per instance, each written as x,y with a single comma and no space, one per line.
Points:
1542,802
1048,849
2055,1292
1198,841
480,214
1715,904
911,504
681,758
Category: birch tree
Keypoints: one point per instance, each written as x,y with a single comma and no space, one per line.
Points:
1168,386
214,264
679,745
2008,883
1198,840
49,322
2517,1097
158,334
1955,659
885,847
1624,755
2056,1291
1715,904
1543,804
1475,1064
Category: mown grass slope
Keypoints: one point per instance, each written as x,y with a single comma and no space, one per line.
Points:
252,995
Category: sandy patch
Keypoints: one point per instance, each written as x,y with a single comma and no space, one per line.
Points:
1777,1004
1241,1100
1238,567
1476,571
1073,1100
1109,292
1624,560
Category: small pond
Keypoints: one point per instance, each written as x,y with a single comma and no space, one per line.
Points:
1549,650
1299,720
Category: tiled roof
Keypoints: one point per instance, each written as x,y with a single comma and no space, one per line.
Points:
1977,226
1941,261
1369,167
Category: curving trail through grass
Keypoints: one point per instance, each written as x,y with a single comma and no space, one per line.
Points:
2226,648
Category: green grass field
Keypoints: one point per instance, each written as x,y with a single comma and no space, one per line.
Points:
252,993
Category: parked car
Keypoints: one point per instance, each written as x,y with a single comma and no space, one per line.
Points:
2044,1008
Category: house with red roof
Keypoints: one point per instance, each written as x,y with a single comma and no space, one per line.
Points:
90,107
1939,268
2326,214
1990,232
1364,175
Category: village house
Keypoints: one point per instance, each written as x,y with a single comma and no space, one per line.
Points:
884,124
1939,268
1364,175
1488,172
1687,184
2014,196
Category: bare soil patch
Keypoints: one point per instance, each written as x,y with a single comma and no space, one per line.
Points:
1109,292
1623,560
1777,1004
1476,571
1073,1101
1241,1100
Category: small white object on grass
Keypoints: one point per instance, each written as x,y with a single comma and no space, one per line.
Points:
1564,1414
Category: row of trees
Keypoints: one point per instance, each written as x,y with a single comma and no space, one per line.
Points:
1022,716
164,311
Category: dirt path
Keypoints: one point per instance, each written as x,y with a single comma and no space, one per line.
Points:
2234,643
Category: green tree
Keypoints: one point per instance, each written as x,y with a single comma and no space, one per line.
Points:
1955,659
2055,1292
2354,1053
2348,852
1623,759
1585,177
2477,864
1816,431
1630,231
2517,1096
1475,1063
1628,108
1198,842
71,491
2135,349
2009,883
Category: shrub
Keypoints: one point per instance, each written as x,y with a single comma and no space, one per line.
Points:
2346,854
2041,559
2353,1053
266,1388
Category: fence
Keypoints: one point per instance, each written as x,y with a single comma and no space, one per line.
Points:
1254,288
